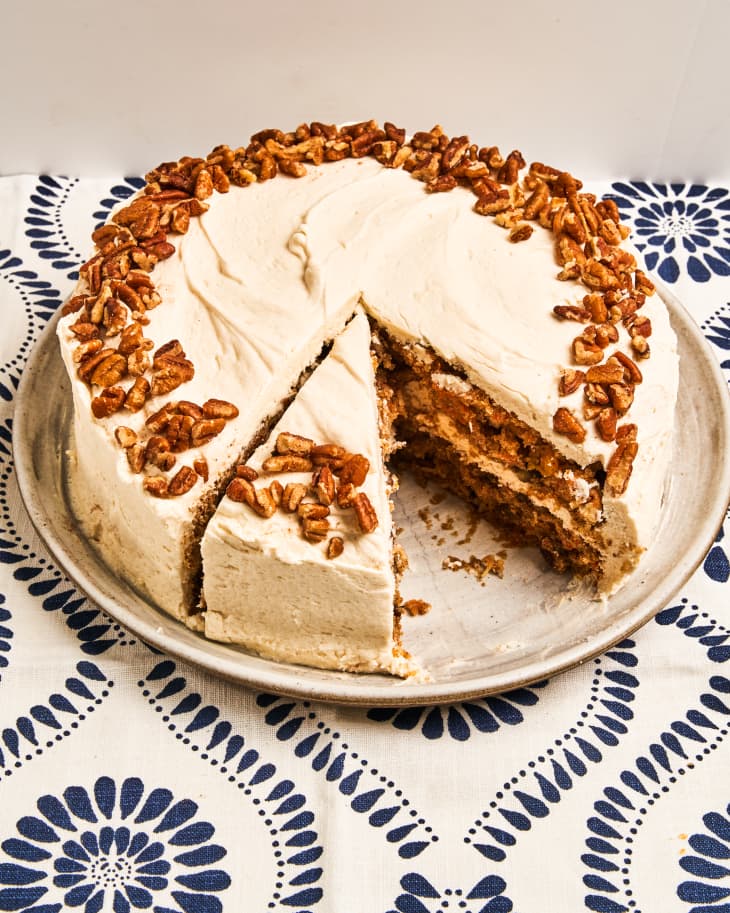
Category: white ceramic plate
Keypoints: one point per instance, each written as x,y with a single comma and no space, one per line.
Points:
480,637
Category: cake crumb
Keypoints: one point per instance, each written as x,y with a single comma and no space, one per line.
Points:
438,497
425,514
415,607
479,567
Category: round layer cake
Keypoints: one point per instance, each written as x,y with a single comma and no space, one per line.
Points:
521,358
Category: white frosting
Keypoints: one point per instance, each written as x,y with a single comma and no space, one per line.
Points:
272,271
267,587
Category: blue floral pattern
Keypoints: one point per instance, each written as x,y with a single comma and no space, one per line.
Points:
116,848
678,227
709,867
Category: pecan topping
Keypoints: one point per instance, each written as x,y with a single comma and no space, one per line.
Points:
240,490
205,430
107,402
570,380
246,472
292,497
323,483
365,512
606,424
287,462
219,408
201,467
618,471
182,481
137,394
125,437
331,455
315,530
608,373
564,422
585,352
345,493
156,485
355,470
293,443
276,490
136,457
335,547
307,510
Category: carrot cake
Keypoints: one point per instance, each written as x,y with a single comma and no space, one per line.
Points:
523,358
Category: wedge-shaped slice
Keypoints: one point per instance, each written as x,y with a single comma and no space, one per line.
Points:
313,585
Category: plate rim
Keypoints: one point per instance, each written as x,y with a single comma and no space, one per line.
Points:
356,689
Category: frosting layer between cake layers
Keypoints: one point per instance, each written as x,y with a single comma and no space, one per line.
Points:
273,270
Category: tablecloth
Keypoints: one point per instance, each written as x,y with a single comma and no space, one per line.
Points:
131,781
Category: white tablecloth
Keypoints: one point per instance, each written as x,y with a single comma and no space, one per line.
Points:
129,780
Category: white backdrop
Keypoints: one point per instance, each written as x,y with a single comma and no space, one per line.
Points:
627,87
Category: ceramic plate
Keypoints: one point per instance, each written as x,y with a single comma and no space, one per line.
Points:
481,636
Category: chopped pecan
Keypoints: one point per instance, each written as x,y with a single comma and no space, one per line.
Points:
598,276
201,467
136,457
331,455
131,338
638,325
640,346
169,373
178,432
126,437
205,430
293,443
246,472
219,408
520,233
355,470
86,349
263,502
595,303
596,394
491,203
345,493
307,510
626,433
137,394
156,486
564,422
183,480
85,330
157,451
570,381
571,312
632,373
608,373
158,421
622,396
537,200
287,462
240,490
441,184
107,402
620,466
109,371
643,283
586,352
323,484
367,518
276,490
606,424
335,547
292,497
315,530
292,169
606,333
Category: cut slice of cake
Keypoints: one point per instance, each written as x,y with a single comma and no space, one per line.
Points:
298,558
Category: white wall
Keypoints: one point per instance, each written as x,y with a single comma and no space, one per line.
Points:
629,87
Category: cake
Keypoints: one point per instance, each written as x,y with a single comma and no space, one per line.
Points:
523,359
344,616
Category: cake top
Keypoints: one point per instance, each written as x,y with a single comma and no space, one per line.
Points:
556,240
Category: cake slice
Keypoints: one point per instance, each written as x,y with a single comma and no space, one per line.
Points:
311,579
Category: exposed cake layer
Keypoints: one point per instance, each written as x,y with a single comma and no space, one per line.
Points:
270,586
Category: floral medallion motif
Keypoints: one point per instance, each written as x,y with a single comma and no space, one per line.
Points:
678,227
709,866
422,897
116,849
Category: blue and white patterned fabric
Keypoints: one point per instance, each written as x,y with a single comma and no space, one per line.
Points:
130,781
